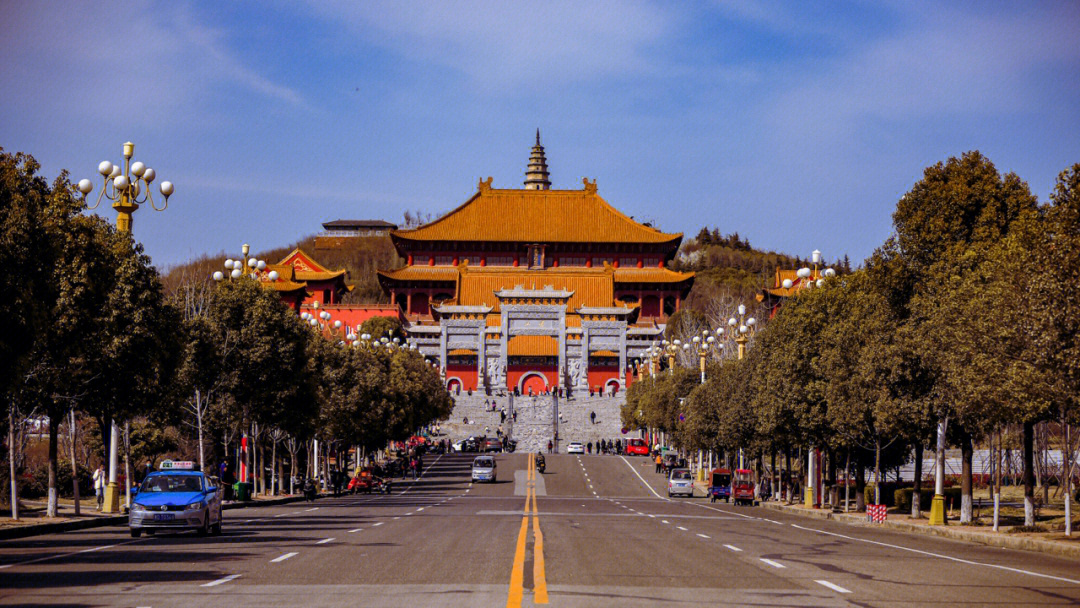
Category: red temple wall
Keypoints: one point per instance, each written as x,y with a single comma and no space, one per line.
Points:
515,372
466,373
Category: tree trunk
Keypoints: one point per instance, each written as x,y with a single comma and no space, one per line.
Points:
54,430
847,481
127,464
1067,466
967,451
273,469
916,491
1029,474
787,473
1044,453
877,470
72,435
11,462
996,453
860,486
198,424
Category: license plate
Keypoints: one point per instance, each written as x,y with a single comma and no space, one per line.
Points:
164,516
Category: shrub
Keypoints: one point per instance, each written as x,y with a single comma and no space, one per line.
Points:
902,497
38,484
888,488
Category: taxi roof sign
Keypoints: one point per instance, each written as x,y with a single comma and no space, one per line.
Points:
176,465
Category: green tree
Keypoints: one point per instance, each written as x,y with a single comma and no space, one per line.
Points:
383,327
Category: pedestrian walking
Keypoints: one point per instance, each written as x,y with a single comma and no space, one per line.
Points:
592,417
588,447
550,446
659,463
515,415
100,479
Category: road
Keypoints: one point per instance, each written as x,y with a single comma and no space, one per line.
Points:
592,531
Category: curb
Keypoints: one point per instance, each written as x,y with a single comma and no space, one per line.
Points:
119,520
955,532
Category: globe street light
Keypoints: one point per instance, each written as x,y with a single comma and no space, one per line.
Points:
126,195
239,268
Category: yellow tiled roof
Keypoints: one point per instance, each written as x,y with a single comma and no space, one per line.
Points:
422,273
547,216
604,353
532,346
593,288
461,351
650,275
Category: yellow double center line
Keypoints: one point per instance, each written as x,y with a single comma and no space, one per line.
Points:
517,575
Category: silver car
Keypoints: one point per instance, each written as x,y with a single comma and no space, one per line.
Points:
680,482
484,469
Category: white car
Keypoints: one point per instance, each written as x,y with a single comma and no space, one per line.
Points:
575,447
484,469
680,482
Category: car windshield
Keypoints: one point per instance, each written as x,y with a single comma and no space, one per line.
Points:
483,463
172,483
681,475
637,442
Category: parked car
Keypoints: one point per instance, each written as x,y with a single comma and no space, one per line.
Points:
466,445
637,447
575,447
492,444
680,481
484,469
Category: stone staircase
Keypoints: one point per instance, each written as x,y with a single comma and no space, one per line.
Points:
534,426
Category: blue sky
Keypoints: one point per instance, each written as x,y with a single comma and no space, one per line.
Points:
799,125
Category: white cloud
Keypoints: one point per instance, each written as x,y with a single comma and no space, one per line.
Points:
496,43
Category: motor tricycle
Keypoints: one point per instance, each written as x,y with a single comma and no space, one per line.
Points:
719,485
742,488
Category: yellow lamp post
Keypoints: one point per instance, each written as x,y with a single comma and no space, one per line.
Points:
127,188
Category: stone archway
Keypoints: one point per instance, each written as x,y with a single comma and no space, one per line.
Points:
454,385
537,381
611,385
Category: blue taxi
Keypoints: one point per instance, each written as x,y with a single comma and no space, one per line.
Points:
176,497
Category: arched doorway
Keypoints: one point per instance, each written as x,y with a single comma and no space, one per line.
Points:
454,385
534,381
611,387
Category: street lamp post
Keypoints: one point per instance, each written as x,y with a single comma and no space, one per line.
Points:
126,194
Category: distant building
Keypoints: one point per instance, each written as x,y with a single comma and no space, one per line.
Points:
339,232
535,289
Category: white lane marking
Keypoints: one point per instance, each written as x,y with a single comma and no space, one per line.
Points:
355,530
282,558
594,492
722,510
63,555
681,528
651,515
949,557
836,588
312,509
378,523
397,518
640,477
772,521
664,521
221,581
281,515
324,541
703,536
420,509
772,563
406,515
733,548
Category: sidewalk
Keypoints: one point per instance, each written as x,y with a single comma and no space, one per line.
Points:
1037,541
93,519
1026,541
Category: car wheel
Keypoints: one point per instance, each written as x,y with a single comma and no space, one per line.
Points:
205,528
136,533
216,529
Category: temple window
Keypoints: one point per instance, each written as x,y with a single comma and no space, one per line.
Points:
572,261
627,262
500,260
444,260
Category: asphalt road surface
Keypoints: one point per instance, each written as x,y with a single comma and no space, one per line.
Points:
593,531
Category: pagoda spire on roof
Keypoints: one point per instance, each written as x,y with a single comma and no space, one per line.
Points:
536,175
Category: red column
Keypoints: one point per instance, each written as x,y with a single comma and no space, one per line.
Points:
408,303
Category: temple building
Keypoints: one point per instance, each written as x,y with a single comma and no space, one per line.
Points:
535,290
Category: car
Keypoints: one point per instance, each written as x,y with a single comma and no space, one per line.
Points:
466,445
637,447
484,469
680,482
177,497
575,447
492,444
